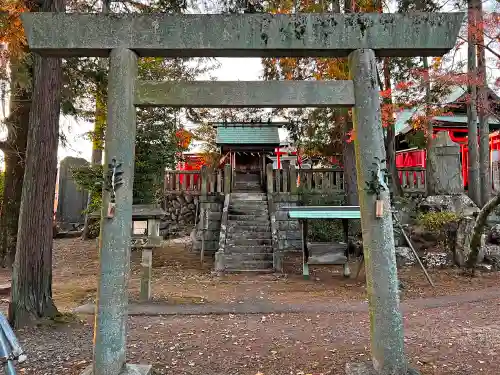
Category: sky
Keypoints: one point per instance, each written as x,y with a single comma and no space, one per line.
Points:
230,69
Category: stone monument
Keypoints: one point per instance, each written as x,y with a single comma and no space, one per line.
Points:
447,165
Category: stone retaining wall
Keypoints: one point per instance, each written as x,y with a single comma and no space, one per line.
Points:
214,206
288,230
180,218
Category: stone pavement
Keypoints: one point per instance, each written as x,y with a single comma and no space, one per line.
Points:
268,307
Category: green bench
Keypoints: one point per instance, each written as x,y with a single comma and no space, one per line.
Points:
324,253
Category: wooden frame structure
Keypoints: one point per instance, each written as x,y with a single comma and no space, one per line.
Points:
303,214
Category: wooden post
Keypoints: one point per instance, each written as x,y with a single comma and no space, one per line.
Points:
147,268
154,227
147,260
286,174
184,182
305,250
204,226
227,179
263,169
220,179
269,176
204,183
293,179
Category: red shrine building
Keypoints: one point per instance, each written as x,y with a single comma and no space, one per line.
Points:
455,124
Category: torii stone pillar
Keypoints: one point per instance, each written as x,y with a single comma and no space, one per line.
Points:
110,331
386,322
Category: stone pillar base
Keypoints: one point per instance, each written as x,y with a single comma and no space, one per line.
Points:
278,257
220,262
366,368
130,369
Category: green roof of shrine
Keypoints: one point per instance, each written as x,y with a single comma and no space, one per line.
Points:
248,135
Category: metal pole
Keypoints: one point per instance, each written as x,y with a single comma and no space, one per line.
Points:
5,355
413,250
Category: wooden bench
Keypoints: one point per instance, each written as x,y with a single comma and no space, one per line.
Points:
324,253
146,242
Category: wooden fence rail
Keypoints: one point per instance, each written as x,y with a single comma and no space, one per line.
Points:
191,182
326,180
412,179
331,180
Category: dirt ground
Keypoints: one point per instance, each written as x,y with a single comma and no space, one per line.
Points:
462,339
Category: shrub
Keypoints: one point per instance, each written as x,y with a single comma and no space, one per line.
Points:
437,221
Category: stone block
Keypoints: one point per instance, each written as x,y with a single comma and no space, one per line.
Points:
208,94
242,35
130,369
360,368
366,368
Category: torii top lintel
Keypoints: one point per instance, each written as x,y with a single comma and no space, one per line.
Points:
242,35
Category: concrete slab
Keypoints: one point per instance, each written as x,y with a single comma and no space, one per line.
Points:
242,35
261,94
130,369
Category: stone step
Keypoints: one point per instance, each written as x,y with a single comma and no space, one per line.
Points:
242,257
248,228
252,272
253,211
249,208
237,233
259,226
247,203
248,197
259,218
236,249
248,242
247,184
248,190
247,180
247,176
248,265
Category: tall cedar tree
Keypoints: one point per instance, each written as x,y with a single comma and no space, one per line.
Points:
14,147
32,273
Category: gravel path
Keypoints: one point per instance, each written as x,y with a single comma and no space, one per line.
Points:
463,339
272,307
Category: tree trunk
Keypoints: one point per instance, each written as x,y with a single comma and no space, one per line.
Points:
482,107
349,161
14,158
390,141
475,242
99,126
430,167
97,144
32,274
348,153
473,167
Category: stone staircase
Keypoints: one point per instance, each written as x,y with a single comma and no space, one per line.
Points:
247,182
248,239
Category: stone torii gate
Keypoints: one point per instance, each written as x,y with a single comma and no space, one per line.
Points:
124,38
